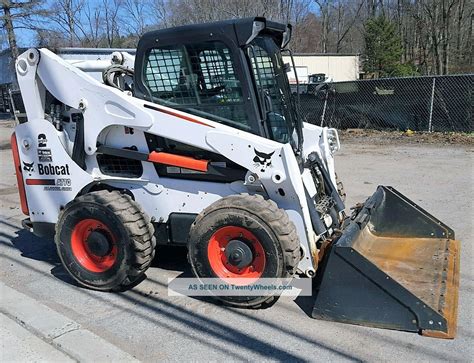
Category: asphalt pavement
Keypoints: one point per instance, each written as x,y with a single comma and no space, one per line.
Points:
148,325
31,331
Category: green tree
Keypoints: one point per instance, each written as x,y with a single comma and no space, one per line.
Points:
383,47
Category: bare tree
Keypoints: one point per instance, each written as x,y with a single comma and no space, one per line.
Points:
436,35
92,29
324,9
67,15
19,14
111,19
51,38
181,12
161,13
136,14
439,14
345,21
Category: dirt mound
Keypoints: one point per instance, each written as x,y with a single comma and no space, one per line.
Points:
406,137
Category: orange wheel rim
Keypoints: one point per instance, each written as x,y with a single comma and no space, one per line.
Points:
224,262
93,245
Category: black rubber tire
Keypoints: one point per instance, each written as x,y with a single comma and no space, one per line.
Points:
132,228
270,224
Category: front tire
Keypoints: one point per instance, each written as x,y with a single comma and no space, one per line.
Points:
244,236
105,240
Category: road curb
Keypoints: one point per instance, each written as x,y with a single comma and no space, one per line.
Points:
56,329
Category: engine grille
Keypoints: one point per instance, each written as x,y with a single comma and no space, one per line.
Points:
324,204
118,166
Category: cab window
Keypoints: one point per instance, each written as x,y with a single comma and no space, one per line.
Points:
199,79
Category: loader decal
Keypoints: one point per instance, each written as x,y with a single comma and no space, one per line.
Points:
262,159
52,185
44,155
42,141
40,182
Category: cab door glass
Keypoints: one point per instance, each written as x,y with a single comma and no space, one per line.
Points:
272,84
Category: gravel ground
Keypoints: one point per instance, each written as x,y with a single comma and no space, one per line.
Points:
152,326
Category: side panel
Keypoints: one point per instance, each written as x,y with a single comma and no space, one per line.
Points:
161,198
50,182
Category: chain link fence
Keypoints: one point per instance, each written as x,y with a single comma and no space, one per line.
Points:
438,103
4,99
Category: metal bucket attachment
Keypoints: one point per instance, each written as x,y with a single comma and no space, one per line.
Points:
394,267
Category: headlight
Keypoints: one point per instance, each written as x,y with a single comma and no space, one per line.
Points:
333,139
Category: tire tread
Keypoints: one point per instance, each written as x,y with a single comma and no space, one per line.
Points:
278,221
137,224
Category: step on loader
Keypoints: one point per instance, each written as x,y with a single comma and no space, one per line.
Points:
196,140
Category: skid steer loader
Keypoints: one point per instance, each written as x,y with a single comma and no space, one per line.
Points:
197,141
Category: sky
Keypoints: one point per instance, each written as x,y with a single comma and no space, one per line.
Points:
25,37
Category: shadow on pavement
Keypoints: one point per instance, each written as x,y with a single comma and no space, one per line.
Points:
35,248
172,258
182,320
41,249
224,337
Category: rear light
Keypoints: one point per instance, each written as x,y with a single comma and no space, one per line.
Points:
19,175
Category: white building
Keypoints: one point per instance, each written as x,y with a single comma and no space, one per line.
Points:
340,67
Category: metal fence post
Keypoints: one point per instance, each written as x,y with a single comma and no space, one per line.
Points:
430,128
324,108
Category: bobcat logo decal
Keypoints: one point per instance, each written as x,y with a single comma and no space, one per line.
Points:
262,160
28,167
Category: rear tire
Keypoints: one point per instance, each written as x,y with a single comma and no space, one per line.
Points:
260,227
105,240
